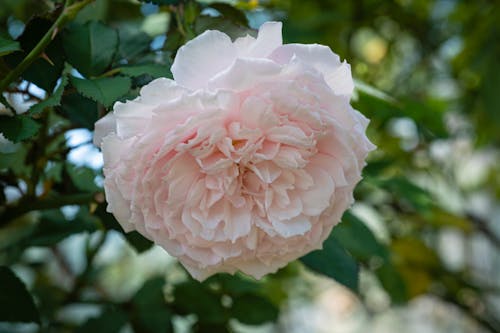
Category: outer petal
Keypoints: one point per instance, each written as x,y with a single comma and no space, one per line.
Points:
202,58
133,117
103,127
268,39
337,74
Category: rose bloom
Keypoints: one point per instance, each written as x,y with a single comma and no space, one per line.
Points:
245,161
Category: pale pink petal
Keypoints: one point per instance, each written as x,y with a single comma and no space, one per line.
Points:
317,199
337,74
202,58
293,227
268,39
104,127
245,73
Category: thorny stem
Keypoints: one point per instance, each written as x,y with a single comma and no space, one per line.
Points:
68,13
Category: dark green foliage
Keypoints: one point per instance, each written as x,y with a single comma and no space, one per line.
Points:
16,303
153,70
358,239
18,128
53,100
53,227
194,297
110,321
90,47
8,46
151,312
80,110
104,90
47,69
164,2
254,310
335,262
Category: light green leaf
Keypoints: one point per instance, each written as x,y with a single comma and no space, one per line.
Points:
90,47
16,303
8,46
105,90
334,261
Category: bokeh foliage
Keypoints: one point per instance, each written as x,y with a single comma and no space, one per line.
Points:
427,75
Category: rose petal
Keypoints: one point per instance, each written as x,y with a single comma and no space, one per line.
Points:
202,58
268,39
104,127
337,74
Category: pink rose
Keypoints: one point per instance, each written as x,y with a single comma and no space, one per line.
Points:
245,161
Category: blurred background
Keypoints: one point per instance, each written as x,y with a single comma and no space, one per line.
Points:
424,234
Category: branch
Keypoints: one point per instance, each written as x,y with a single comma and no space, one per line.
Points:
483,227
23,207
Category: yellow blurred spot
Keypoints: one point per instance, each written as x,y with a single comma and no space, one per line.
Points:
374,50
253,4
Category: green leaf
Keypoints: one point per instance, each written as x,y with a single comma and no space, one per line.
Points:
132,43
153,70
233,284
334,261
81,110
82,177
53,100
138,241
408,193
54,227
16,303
105,90
393,282
18,128
8,46
254,310
194,297
151,313
90,47
110,321
191,12
358,239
